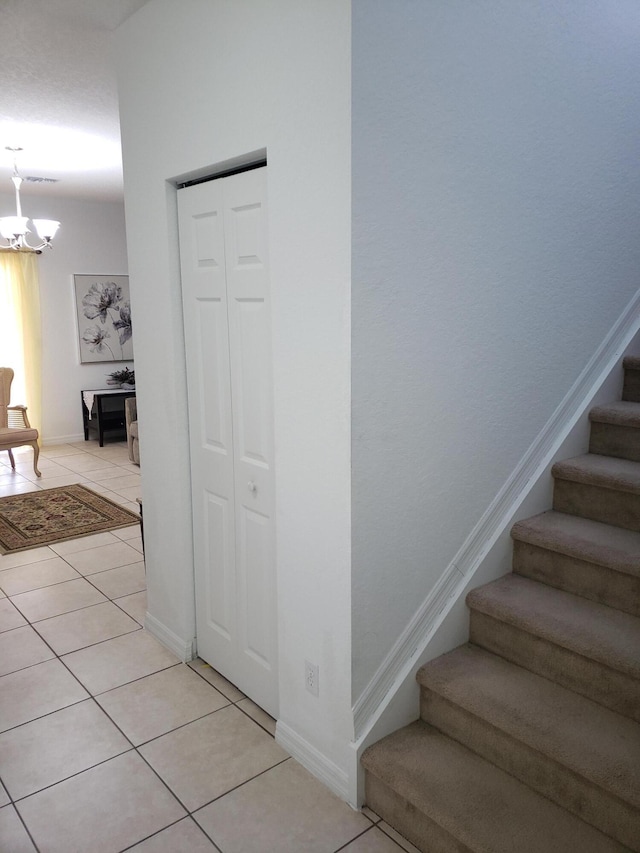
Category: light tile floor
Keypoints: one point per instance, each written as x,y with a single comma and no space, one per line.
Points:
107,742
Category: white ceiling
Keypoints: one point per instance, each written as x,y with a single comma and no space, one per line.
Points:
58,97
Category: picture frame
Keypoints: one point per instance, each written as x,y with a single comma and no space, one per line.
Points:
103,310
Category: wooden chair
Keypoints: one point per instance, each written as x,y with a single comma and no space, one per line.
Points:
131,423
15,429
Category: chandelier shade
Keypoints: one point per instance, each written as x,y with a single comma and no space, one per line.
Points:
14,229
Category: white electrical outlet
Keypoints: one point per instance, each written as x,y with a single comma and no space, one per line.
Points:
311,677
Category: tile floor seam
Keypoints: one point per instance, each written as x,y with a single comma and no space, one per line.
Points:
88,645
64,708
28,666
240,785
253,719
94,696
112,568
53,616
26,828
355,838
87,578
153,835
224,691
46,586
81,550
46,619
31,562
382,827
64,664
133,680
43,716
102,571
213,685
19,800
122,610
175,728
166,784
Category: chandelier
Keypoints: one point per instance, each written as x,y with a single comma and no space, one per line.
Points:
14,229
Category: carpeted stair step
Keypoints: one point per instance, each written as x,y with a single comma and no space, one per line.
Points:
615,430
631,387
586,647
599,487
446,799
577,753
594,560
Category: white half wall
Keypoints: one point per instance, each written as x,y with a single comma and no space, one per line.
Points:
202,82
495,243
91,240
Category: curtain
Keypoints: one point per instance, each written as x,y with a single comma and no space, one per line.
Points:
20,330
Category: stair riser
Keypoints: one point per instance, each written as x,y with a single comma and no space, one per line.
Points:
610,506
404,817
615,690
631,387
540,772
615,440
590,580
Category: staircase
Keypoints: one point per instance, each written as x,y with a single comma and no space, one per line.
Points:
529,735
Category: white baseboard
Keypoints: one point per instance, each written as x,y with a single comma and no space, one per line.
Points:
62,439
315,762
184,649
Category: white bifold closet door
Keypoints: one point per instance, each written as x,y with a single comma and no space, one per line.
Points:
227,329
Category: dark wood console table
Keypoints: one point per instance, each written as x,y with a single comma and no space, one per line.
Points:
103,411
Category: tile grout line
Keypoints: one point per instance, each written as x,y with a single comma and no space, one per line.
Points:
136,748
188,816
35,589
69,580
26,828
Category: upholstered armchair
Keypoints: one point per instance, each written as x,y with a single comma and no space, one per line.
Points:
131,422
15,429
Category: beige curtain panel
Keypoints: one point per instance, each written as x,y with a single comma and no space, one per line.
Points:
20,329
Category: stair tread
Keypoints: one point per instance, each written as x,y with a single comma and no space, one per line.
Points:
584,737
469,797
582,539
623,413
595,470
585,627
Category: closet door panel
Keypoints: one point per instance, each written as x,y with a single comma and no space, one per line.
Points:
206,332
224,257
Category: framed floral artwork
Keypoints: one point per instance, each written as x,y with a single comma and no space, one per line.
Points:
104,317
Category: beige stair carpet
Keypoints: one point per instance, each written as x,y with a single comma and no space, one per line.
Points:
529,735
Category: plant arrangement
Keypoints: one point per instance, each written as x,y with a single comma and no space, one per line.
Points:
122,377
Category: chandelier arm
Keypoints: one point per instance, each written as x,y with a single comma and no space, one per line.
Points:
20,244
14,228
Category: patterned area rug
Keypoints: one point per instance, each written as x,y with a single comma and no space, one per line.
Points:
55,515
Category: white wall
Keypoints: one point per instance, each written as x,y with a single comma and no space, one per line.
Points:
91,240
201,82
495,242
